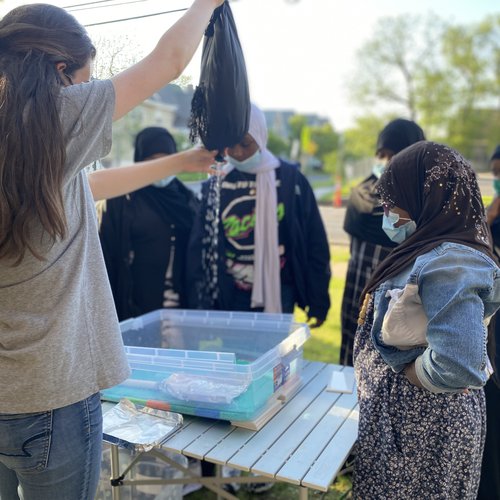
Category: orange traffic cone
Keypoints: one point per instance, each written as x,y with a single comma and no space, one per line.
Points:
337,194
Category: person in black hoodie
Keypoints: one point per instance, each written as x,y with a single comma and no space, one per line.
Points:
144,236
269,250
363,222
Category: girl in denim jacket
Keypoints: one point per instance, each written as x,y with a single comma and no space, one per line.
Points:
421,349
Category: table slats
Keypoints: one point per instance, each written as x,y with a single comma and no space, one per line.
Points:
326,467
305,443
290,440
227,448
250,453
314,445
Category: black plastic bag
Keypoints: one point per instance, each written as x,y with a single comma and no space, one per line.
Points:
220,108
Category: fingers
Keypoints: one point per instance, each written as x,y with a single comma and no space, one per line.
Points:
315,322
200,159
217,164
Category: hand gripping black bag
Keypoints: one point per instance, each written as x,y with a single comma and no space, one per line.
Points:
220,108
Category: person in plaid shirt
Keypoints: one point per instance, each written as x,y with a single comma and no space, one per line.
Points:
363,222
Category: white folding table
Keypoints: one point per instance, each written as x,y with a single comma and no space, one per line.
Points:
305,443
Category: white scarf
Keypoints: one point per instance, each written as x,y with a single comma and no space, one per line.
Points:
266,289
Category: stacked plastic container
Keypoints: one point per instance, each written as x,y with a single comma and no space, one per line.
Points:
216,364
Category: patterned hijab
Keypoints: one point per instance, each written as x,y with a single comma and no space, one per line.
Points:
438,188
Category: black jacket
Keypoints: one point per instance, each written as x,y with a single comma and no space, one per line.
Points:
308,250
363,218
138,233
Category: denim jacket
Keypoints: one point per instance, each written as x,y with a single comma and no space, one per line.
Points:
459,288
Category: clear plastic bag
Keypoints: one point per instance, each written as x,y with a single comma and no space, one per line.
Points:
207,390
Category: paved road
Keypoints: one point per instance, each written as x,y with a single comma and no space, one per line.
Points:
485,181
333,218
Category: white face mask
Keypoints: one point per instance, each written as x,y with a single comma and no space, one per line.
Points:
378,168
397,234
247,165
164,182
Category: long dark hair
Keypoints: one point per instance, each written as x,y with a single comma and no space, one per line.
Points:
33,40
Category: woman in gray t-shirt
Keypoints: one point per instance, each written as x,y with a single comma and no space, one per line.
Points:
60,342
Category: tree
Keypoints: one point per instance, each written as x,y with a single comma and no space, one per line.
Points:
311,142
446,77
333,164
325,139
307,145
472,53
296,124
356,148
360,140
392,62
277,145
114,54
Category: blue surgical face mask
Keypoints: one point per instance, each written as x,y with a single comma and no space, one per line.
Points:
397,234
164,182
247,165
378,168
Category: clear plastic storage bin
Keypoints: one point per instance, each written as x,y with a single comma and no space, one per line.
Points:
215,364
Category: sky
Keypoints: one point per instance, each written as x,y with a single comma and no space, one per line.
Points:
299,53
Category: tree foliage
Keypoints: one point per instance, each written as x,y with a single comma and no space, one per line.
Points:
319,140
444,76
296,124
473,58
114,54
314,141
360,140
392,61
277,145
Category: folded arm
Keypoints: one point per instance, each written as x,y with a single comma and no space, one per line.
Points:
455,359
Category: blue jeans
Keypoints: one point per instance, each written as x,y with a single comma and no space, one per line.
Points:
52,455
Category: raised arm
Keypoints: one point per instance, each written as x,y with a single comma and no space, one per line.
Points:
117,181
167,60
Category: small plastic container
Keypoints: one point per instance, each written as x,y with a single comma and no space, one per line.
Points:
215,364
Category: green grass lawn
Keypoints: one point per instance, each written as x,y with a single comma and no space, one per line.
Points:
324,345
